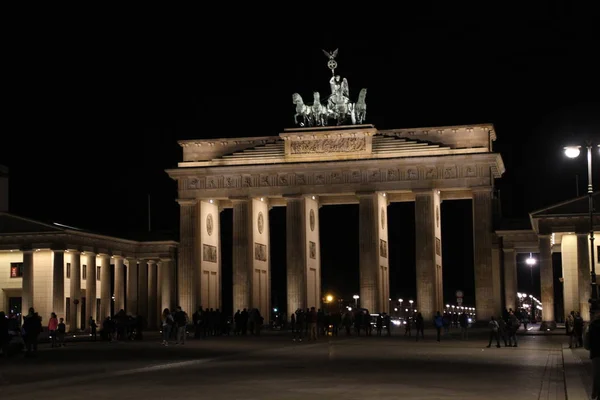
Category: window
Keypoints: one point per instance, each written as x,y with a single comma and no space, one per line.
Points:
98,273
84,272
16,270
98,316
68,310
69,270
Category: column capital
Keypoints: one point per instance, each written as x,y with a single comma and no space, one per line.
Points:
165,260
424,191
70,251
151,261
365,193
485,189
239,199
187,202
508,250
294,196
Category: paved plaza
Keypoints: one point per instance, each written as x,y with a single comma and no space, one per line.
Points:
273,367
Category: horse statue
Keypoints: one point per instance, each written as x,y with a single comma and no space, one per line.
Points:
319,111
361,106
302,110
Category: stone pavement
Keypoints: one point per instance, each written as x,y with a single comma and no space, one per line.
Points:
273,367
578,372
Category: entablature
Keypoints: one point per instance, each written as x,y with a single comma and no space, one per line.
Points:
444,172
85,242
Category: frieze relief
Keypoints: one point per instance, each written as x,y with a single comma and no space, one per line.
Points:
431,173
411,173
330,145
470,171
450,172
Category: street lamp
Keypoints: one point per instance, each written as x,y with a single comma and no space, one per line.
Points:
356,297
531,262
573,152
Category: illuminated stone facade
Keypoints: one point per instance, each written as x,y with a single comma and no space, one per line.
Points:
55,268
304,169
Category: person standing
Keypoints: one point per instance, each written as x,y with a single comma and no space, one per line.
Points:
52,327
494,327
592,343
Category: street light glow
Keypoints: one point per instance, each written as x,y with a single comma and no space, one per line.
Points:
530,261
329,298
572,151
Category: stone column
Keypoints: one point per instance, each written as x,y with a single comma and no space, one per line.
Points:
152,295
303,253
75,290
143,288
369,252
583,274
58,283
208,270
546,283
167,284
105,289
132,287
241,253
90,289
187,262
295,254
510,278
428,241
119,284
482,246
27,285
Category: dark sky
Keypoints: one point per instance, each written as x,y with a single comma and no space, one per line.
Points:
96,110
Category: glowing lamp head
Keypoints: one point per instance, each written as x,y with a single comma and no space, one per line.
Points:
530,261
572,151
329,298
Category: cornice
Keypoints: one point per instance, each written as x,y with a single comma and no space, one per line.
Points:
227,141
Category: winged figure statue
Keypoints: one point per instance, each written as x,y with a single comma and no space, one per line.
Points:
331,55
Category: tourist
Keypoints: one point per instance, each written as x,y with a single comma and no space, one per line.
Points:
592,343
167,323
570,328
438,321
463,321
60,332
494,327
420,325
52,327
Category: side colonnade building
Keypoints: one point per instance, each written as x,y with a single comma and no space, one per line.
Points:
561,228
304,169
78,274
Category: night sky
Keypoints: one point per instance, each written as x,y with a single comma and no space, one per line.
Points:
95,114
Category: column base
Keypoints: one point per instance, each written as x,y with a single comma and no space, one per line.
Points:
548,326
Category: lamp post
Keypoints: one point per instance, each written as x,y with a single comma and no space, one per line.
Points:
531,262
573,152
356,297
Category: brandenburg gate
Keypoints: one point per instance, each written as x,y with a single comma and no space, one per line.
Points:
303,169
317,165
